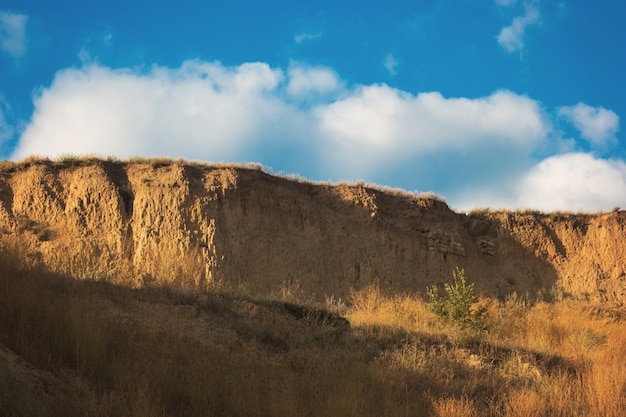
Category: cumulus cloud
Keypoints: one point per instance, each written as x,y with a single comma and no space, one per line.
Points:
198,110
596,124
379,123
218,110
305,119
571,182
13,33
574,181
311,82
511,37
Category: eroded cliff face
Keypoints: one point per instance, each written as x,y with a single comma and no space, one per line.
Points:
198,225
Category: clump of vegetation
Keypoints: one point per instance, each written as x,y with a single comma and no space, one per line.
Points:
458,308
7,166
74,161
221,354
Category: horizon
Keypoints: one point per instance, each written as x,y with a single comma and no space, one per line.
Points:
510,104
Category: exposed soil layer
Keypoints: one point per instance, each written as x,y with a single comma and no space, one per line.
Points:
248,229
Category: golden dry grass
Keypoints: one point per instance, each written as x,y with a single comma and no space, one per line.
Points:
216,351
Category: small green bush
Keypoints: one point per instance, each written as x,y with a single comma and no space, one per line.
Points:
458,309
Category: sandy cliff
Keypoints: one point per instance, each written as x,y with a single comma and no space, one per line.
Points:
197,225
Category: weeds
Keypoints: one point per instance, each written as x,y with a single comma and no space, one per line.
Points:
335,305
147,352
7,166
458,309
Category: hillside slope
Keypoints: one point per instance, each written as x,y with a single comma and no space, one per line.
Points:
200,225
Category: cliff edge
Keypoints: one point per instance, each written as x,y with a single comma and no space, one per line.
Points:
205,225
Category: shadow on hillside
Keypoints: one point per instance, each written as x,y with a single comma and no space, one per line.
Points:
506,266
191,354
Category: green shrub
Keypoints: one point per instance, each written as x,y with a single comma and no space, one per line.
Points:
458,309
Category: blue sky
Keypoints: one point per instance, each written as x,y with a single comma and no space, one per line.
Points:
501,103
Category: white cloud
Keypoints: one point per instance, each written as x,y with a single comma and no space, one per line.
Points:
376,124
575,181
200,110
307,120
306,37
596,124
391,64
311,82
511,37
567,182
208,109
13,33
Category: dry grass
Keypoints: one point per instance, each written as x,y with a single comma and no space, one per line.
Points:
7,166
558,215
454,407
117,364
153,352
556,359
